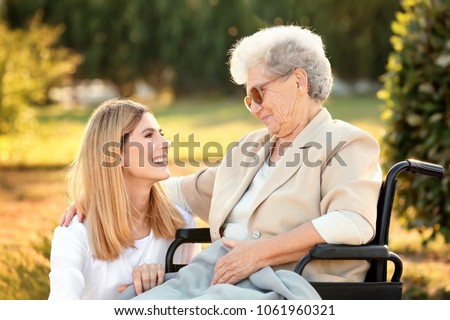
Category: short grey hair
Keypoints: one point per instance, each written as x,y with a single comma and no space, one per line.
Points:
281,50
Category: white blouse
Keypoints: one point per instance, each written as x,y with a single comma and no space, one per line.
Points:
76,274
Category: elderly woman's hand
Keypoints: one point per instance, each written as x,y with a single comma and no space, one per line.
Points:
243,259
68,215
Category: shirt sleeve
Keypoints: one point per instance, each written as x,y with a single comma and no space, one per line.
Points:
344,227
173,187
67,259
193,192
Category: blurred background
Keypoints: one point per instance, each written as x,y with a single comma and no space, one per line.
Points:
60,59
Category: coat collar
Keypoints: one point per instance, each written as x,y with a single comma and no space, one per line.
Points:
302,149
245,160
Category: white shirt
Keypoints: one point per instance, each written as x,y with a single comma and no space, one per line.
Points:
76,274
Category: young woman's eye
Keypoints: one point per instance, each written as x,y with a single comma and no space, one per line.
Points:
150,135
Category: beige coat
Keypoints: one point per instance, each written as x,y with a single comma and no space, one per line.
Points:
331,165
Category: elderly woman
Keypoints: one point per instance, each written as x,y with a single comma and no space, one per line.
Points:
304,179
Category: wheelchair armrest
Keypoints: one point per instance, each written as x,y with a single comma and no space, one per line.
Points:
342,252
194,235
191,235
349,252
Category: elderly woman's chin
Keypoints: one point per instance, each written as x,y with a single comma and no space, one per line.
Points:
278,131
273,127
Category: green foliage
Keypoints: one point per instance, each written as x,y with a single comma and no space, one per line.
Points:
29,66
417,287
355,32
184,43
24,271
416,94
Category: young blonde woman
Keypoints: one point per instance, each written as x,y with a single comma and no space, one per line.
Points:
130,222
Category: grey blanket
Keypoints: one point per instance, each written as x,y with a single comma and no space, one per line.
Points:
193,282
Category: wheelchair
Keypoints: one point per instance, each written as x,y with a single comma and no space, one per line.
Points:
375,286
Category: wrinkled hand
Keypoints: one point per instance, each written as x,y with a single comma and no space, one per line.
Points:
68,215
145,277
239,263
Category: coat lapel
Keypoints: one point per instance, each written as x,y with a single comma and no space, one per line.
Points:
234,178
301,152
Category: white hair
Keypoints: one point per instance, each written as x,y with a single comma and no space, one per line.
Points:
281,50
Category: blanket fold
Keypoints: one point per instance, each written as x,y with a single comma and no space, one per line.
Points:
193,282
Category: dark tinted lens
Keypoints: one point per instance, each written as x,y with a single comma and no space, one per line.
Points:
256,95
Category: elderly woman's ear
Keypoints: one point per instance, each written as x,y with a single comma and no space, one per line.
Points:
302,80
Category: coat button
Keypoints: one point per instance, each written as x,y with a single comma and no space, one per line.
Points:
256,234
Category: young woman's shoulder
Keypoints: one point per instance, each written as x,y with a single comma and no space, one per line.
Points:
70,249
75,232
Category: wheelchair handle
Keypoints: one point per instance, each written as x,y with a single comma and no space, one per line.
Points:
386,199
425,168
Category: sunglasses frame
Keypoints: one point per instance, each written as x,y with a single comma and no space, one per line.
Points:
258,90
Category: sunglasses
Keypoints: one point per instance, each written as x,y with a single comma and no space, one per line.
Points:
256,94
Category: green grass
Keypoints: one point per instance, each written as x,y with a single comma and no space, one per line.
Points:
50,141
53,140
24,271
362,111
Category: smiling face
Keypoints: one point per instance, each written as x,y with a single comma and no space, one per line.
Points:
285,108
145,152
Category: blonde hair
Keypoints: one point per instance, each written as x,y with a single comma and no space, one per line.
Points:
96,184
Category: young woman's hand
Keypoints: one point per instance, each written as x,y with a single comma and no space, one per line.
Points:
145,277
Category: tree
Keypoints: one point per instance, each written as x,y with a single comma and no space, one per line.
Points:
184,43
416,97
355,32
29,66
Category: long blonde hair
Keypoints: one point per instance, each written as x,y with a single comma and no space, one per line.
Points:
96,183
